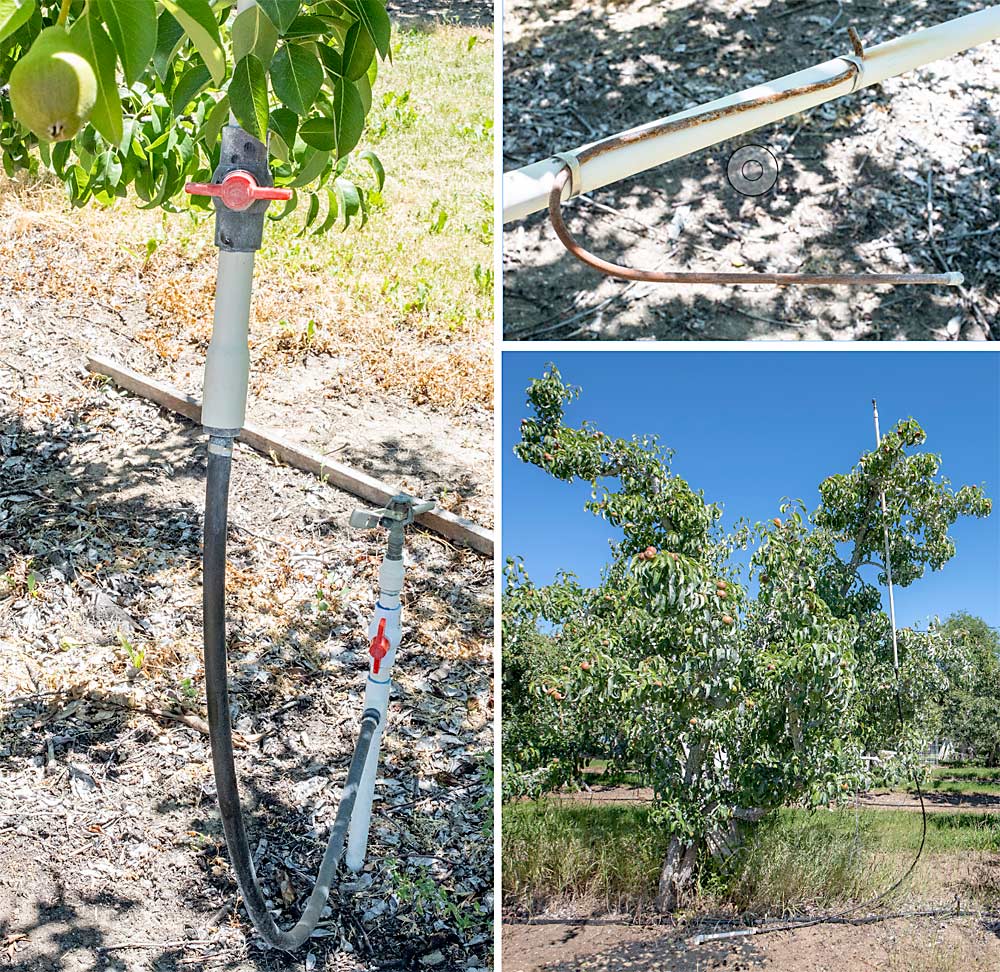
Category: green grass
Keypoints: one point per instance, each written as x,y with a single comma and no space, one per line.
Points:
965,779
609,856
431,126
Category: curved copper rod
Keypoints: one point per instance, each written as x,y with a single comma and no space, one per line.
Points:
693,277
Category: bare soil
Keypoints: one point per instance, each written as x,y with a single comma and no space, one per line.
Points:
912,945
901,176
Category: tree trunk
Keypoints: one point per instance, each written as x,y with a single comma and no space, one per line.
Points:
676,875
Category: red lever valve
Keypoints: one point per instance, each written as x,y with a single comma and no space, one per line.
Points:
379,646
239,190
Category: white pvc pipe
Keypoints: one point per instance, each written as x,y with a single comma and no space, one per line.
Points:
526,190
377,691
227,364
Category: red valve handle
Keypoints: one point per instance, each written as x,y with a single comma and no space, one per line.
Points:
379,646
239,190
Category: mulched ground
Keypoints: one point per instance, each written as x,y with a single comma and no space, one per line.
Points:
901,176
418,13
112,851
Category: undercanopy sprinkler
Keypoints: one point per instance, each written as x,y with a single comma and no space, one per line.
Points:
242,188
552,181
384,632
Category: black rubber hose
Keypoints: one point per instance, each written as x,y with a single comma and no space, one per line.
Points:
221,732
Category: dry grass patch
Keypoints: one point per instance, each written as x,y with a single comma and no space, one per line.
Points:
408,298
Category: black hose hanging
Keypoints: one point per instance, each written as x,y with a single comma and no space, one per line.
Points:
220,451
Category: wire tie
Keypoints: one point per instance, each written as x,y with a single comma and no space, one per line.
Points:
857,58
575,173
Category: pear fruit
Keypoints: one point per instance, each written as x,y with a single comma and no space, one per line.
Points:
53,88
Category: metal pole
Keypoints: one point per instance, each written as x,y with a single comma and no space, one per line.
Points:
526,190
888,564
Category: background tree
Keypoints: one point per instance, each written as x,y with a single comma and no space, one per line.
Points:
167,73
970,710
727,707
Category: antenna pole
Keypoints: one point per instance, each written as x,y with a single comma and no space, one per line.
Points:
888,565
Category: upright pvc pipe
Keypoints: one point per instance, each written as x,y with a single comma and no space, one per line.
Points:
888,564
526,190
227,363
388,609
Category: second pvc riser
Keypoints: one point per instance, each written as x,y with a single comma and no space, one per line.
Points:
377,690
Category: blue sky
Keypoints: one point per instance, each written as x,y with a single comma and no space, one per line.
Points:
751,427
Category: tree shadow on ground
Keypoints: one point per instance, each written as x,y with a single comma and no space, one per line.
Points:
847,199
628,948
428,14
88,522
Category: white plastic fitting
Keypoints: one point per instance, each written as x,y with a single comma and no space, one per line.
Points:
377,690
227,365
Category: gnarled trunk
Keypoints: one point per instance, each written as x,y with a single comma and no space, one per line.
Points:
676,875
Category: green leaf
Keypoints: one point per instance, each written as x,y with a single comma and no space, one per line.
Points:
320,133
350,199
285,122
331,214
373,160
297,76
132,27
313,164
359,51
289,208
169,36
199,23
365,91
253,33
372,14
248,96
14,14
331,59
349,117
193,81
281,12
100,51
277,147
217,117
306,26
312,213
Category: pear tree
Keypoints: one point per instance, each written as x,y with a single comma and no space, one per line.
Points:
728,706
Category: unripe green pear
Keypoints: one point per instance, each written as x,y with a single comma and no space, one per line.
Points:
53,88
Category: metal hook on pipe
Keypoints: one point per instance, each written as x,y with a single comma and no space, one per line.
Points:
571,171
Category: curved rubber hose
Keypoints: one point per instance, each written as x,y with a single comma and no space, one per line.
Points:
221,733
